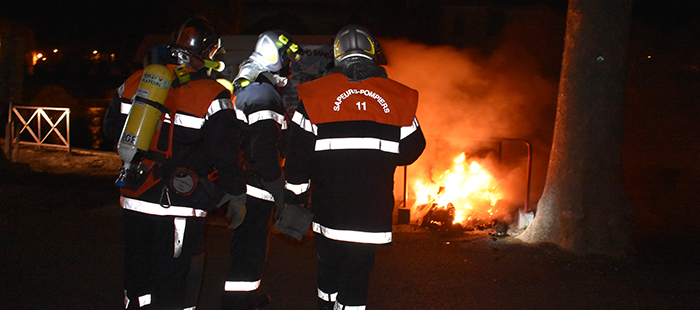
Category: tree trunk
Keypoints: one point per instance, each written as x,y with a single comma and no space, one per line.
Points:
584,207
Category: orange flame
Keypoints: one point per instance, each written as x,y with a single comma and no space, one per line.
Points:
470,188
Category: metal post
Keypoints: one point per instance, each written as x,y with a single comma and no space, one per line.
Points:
529,167
404,213
8,130
38,126
529,175
405,186
68,132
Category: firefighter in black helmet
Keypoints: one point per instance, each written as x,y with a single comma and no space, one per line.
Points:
187,172
195,42
351,130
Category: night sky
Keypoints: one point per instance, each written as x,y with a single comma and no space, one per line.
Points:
120,25
79,27
113,25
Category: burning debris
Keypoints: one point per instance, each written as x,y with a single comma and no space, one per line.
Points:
443,219
439,218
465,197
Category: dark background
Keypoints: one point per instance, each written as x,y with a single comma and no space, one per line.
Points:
79,27
62,242
117,29
662,165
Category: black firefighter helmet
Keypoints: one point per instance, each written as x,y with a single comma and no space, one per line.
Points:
195,42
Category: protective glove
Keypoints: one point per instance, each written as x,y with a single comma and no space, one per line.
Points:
276,188
294,221
236,209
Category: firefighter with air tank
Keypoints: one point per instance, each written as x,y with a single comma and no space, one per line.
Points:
177,132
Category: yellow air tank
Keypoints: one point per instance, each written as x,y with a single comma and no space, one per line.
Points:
146,109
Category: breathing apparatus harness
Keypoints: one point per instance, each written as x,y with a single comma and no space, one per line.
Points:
180,178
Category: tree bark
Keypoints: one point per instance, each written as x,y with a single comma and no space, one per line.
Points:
584,207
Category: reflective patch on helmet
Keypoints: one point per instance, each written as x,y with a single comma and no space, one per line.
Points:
283,39
269,54
336,49
371,52
292,48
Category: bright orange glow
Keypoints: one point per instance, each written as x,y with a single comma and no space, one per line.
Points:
467,186
36,56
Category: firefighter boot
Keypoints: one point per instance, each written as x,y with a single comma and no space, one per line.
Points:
325,305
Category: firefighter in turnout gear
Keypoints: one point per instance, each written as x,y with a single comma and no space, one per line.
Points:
260,109
186,173
351,130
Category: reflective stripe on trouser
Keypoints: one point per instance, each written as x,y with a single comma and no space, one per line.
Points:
145,300
339,306
343,271
241,286
325,300
353,236
153,276
259,193
248,254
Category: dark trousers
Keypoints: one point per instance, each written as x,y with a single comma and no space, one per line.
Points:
151,272
249,246
343,271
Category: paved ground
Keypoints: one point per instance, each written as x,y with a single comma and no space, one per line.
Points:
61,249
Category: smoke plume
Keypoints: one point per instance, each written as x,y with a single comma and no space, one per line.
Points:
489,107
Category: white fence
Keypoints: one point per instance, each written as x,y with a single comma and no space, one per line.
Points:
40,126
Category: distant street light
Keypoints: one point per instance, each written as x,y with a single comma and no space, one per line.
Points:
36,57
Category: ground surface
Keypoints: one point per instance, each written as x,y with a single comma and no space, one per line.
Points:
61,249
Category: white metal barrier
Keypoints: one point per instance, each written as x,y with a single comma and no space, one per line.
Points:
41,123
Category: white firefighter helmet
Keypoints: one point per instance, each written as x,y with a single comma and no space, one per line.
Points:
273,53
274,50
